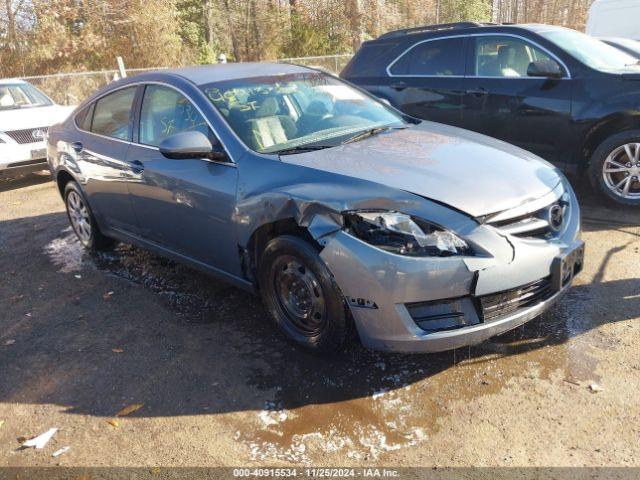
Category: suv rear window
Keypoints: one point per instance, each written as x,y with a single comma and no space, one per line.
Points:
434,58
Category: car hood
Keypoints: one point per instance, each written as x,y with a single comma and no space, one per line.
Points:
470,172
33,117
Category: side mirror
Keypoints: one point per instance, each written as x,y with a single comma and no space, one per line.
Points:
544,68
186,145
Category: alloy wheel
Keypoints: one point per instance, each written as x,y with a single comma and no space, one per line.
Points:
299,296
621,171
79,216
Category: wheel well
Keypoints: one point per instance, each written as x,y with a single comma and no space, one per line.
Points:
605,129
62,179
261,237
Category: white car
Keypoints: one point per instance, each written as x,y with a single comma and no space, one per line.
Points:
614,18
25,117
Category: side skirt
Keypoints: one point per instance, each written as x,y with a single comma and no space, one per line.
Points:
177,257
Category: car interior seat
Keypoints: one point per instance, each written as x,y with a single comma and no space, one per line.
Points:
6,99
507,61
266,127
315,112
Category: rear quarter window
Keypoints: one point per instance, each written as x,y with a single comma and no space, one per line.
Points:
84,117
112,114
371,60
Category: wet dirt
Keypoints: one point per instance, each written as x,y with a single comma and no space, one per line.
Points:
282,406
389,419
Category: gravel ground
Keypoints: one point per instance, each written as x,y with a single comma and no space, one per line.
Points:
82,337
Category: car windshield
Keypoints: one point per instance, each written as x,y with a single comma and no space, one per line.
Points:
288,112
591,51
632,45
21,95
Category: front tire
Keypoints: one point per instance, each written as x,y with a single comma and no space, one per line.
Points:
302,296
614,170
82,220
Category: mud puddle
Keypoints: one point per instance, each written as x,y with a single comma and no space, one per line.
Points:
361,404
191,295
364,405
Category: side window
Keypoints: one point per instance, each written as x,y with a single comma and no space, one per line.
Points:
166,112
499,56
112,114
434,58
84,117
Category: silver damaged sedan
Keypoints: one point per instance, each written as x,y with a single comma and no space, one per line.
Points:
340,211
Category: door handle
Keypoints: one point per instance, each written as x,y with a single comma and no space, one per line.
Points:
478,92
77,146
398,86
137,166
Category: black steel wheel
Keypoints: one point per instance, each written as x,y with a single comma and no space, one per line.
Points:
302,295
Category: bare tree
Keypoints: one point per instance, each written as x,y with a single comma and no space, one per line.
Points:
55,35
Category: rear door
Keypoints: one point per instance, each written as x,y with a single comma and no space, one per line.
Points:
185,206
426,80
100,146
502,101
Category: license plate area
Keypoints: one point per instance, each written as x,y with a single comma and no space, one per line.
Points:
40,153
567,265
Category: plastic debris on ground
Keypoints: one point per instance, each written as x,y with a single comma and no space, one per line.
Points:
40,441
59,452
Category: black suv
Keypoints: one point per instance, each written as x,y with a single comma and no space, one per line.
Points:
556,92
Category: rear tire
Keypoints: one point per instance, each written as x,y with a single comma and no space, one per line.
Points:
302,296
82,220
614,170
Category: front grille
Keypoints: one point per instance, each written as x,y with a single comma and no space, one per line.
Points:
528,225
26,135
543,223
498,305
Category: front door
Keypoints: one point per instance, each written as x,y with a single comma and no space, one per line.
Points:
185,206
426,81
502,101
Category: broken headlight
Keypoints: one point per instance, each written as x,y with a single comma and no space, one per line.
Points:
405,235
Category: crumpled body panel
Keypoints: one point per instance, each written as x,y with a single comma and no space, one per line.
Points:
384,282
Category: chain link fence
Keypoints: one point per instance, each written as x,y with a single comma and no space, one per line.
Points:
72,88
333,63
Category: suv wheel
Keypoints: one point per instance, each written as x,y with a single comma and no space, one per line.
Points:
615,168
302,296
82,221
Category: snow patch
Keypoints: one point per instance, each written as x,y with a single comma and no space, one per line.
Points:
66,252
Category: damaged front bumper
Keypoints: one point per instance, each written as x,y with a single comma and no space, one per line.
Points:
431,304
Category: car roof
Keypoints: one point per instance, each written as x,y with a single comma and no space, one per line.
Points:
204,74
541,27
463,28
619,40
11,81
